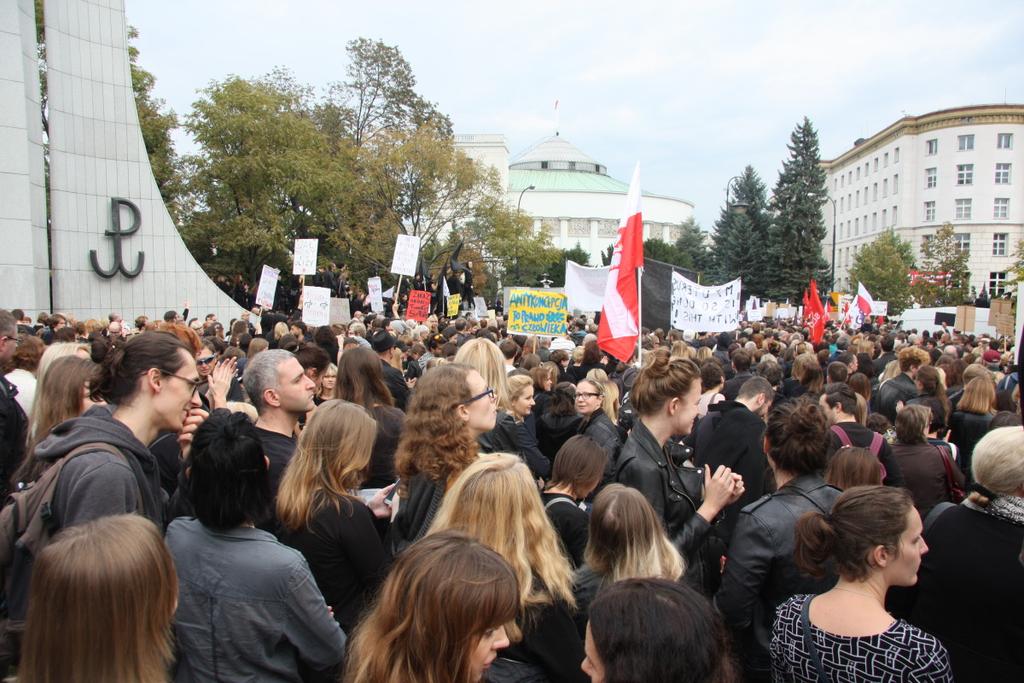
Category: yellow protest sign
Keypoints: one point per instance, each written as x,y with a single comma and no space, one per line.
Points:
537,311
454,302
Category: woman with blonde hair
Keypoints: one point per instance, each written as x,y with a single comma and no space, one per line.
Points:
102,599
495,501
321,514
597,424
972,418
484,356
440,617
521,399
626,541
451,407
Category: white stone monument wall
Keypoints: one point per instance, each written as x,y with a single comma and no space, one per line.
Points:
96,154
23,258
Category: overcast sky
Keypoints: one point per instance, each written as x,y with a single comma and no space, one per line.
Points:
694,91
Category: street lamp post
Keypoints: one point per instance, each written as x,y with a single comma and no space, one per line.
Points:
519,204
739,207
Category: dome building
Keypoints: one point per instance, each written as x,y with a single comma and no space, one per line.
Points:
570,195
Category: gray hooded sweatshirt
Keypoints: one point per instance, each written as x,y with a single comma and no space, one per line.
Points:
98,483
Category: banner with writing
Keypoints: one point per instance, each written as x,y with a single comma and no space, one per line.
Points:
479,307
373,287
537,311
454,302
341,312
268,287
304,261
705,309
407,251
419,305
316,306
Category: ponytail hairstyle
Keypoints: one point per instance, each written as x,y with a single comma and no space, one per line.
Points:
862,518
797,436
123,365
662,379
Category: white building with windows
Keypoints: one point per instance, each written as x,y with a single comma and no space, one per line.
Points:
964,166
570,195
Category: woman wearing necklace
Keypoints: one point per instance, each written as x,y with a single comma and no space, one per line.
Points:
873,537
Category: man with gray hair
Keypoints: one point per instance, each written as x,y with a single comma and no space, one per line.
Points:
13,423
281,392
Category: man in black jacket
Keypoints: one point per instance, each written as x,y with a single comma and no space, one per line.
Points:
888,343
386,346
733,435
741,364
901,388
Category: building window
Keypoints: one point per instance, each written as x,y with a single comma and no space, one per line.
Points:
876,163
865,169
1001,208
931,177
963,209
896,183
965,143
885,160
1004,141
1002,174
999,241
857,202
894,212
841,203
874,192
856,227
885,218
925,239
965,174
996,284
929,212
885,187
858,172
896,156
963,241
842,180
874,221
932,147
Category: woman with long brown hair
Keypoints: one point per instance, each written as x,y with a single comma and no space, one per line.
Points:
360,380
495,501
451,407
102,599
321,514
440,617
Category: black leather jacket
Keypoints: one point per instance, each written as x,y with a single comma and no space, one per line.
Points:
646,466
601,429
759,572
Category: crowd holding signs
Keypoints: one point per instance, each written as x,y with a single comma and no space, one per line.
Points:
537,311
705,309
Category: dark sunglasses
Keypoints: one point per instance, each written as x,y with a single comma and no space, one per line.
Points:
206,360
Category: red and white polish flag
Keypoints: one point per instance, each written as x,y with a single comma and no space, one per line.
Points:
864,301
619,329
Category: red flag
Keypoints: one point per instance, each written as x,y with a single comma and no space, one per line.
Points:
619,328
816,319
807,307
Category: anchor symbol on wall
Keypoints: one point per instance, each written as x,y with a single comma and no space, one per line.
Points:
117,234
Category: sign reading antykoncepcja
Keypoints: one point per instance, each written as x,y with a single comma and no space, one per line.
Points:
537,311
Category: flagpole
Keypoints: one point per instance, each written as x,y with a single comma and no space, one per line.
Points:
639,315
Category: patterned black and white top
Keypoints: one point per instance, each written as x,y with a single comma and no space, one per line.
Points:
900,653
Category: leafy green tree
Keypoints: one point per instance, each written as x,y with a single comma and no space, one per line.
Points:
264,175
556,270
1016,271
945,262
157,122
660,250
882,267
740,238
516,256
798,229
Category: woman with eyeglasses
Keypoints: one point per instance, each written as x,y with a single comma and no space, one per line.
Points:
590,395
151,383
451,407
219,384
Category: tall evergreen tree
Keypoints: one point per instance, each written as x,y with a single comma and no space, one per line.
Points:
739,238
798,229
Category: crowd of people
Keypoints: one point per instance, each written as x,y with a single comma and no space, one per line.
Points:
399,501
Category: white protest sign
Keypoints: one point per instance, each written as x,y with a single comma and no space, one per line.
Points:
705,309
340,311
389,293
480,307
304,260
407,251
373,286
880,308
316,306
584,287
755,315
268,287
